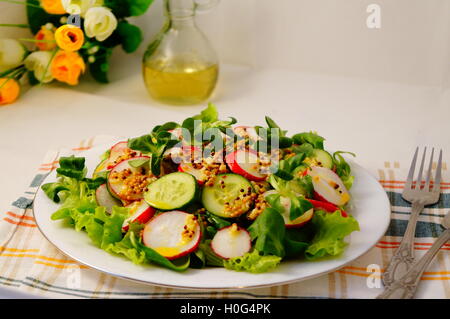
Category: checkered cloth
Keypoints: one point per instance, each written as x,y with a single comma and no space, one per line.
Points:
31,265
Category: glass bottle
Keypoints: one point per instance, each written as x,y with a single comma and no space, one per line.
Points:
180,66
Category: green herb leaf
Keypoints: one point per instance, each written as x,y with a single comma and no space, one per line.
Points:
139,162
268,230
309,137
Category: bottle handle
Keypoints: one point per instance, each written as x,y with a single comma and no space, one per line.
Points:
203,6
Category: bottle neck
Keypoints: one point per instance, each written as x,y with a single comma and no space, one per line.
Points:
180,12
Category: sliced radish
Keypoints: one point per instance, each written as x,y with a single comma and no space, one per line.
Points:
231,241
119,152
118,149
329,186
140,212
190,169
245,163
105,199
286,203
127,182
172,234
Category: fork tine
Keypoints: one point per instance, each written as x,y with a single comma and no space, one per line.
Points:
411,170
430,167
419,177
437,179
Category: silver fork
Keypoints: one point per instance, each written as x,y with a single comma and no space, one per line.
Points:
418,197
406,287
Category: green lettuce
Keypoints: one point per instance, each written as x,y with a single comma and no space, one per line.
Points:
253,262
74,195
269,230
126,248
330,231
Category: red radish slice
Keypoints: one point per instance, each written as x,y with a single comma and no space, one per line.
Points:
286,203
326,206
124,174
245,163
105,199
189,168
118,149
140,212
231,241
329,186
172,234
118,152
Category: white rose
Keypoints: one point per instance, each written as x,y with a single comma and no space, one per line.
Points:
39,63
80,6
12,53
99,22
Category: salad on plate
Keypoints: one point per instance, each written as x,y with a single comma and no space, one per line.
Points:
210,193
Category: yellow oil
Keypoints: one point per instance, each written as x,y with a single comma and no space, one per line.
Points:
180,83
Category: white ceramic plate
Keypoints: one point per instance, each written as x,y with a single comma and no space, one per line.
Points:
369,205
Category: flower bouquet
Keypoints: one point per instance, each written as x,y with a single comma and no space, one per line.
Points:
69,37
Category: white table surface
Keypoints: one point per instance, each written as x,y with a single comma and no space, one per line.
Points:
377,120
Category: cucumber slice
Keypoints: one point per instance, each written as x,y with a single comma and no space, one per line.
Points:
229,196
101,167
322,158
172,191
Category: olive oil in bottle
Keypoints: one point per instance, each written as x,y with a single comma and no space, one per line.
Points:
180,66
180,83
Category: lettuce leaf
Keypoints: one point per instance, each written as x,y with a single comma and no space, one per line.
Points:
253,262
269,230
331,229
125,246
73,194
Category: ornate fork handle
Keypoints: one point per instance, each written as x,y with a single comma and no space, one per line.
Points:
404,255
405,287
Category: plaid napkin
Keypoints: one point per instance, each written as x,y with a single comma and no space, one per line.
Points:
31,265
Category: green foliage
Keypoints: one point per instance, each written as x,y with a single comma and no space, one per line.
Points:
309,137
253,262
127,8
330,231
268,230
37,17
130,36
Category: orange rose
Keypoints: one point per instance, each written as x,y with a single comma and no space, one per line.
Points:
9,90
53,6
48,39
69,37
67,67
